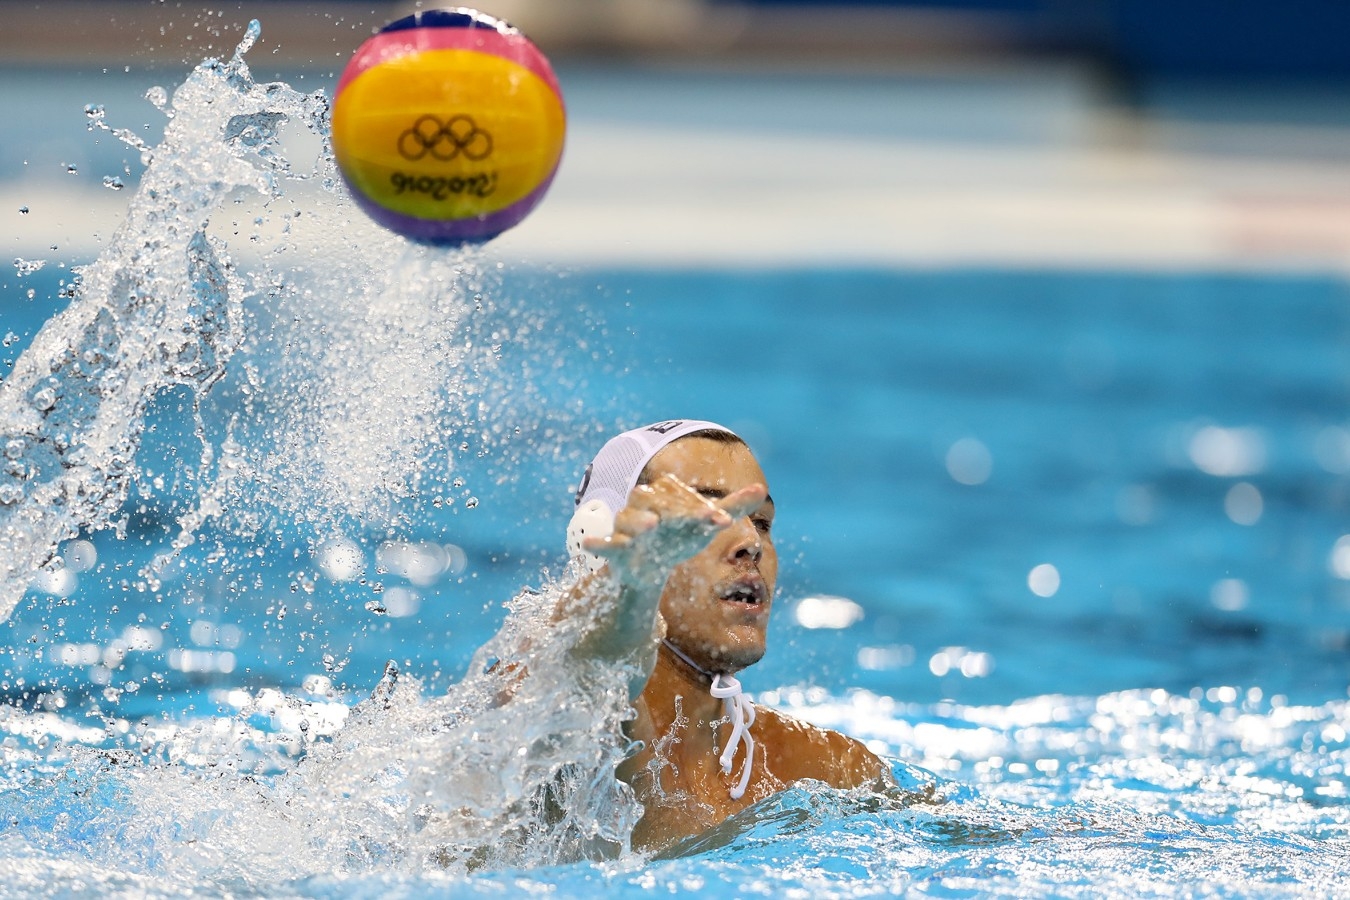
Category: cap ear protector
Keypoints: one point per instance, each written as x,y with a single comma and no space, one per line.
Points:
592,519
613,474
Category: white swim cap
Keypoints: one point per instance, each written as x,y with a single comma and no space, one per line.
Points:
613,474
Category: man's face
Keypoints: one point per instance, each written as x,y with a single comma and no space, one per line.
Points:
716,603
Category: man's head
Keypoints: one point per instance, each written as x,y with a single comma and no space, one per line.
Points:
715,603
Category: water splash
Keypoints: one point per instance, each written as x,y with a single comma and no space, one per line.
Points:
160,307
327,373
512,768
375,377
418,795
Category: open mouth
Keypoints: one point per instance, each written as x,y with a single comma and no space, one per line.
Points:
751,593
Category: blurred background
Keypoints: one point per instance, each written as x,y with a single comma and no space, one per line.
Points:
1029,284
1203,133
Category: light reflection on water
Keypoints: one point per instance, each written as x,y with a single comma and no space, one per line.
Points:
1115,795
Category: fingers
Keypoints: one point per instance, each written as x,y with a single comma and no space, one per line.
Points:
629,524
632,520
671,505
745,501
675,501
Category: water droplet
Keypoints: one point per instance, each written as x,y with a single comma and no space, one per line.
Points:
251,35
95,113
71,169
81,556
376,607
471,503
28,266
23,210
113,183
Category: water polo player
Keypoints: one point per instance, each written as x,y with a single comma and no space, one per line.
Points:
678,517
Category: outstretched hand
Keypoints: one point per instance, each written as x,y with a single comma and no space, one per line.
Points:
665,523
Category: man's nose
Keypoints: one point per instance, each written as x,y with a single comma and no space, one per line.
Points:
746,541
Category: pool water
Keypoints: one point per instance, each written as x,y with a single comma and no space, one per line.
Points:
1069,547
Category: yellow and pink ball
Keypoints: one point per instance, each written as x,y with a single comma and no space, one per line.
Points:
448,126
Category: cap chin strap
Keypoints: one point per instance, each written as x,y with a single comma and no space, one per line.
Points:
739,710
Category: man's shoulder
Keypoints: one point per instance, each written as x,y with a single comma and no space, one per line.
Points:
797,749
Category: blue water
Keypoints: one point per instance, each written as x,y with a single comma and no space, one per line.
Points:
1163,712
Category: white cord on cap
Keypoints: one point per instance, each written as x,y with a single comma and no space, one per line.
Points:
739,710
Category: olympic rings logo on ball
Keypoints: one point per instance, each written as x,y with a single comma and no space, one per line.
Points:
445,140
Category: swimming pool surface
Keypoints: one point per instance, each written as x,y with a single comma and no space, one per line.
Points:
1070,546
